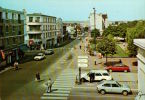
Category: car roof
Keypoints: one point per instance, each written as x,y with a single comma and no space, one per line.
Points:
99,71
40,53
109,81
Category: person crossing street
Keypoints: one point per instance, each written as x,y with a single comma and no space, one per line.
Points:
49,85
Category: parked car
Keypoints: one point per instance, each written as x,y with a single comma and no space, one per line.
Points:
48,52
99,75
113,87
39,56
118,68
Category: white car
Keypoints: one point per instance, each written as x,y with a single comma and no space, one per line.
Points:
39,56
99,75
113,87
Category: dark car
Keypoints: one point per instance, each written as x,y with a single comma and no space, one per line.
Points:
49,52
118,68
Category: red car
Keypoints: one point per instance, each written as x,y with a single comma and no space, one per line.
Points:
118,68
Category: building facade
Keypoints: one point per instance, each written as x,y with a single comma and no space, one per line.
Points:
11,35
59,27
141,68
41,31
98,21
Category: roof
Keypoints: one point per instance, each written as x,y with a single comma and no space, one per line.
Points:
39,14
101,71
10,10
109,81
140,43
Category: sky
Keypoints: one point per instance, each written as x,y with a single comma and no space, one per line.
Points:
79,10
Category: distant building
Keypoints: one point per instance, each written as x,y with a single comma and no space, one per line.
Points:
11,35
141,68
101,21
116,23
59,27
41,31
71,30
65,33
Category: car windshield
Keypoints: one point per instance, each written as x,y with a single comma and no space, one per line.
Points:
118,84
105,74
49,50
39,54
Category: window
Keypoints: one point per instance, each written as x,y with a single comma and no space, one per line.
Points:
115,85
12,15
7,29
19,18
37,19
107,85
98,74
14,40
13,28
30,19
105,74
6,15
8,41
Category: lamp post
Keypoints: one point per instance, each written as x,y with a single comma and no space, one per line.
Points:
94,18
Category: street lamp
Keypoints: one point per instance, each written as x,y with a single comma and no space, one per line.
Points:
94,18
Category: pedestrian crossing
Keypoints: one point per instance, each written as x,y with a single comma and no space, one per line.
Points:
62,86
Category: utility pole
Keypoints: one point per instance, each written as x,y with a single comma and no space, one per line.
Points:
95,26
94,18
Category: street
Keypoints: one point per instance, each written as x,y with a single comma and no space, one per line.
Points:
21,84
62,69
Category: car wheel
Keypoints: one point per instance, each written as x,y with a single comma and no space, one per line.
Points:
82,80
110,70
125,93
37,59
125,71
103,79
102,92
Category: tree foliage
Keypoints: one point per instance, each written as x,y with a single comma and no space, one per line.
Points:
95,33
106,46
132,33
119,30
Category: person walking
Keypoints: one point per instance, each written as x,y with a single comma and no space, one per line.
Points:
38,76
49,85
16,65
80,46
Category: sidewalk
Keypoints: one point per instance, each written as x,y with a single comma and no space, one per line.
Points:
127,78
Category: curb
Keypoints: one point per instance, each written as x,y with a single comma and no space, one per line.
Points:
6,69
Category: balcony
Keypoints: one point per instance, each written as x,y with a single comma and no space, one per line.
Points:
34,32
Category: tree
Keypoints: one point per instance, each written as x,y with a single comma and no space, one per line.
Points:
86,29
106,46
95,33
136,32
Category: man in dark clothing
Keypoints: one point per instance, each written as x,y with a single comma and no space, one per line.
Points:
92,76
38,76
80,46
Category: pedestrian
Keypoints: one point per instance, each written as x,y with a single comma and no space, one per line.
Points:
91,77
95,62
80,46
16,65
38,76
49,85
120,61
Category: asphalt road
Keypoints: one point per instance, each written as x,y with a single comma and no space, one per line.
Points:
90,93
21,84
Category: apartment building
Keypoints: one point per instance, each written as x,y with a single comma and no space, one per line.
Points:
140,43
59,27
98,21
41,31
11,35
